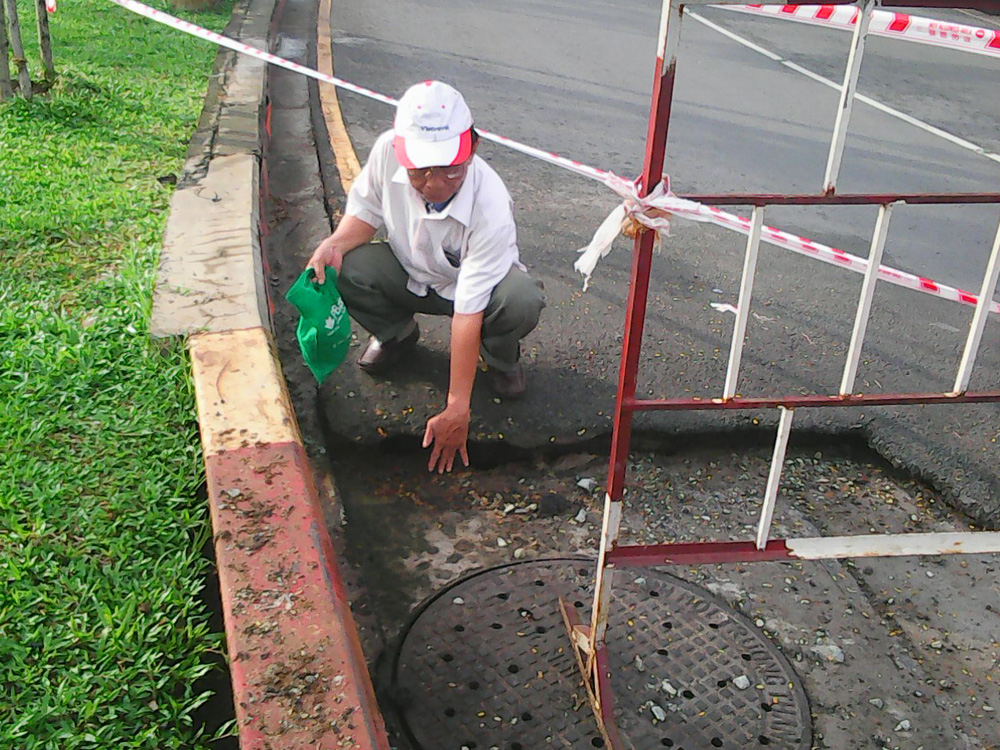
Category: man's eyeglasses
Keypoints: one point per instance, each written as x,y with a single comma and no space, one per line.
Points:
449,174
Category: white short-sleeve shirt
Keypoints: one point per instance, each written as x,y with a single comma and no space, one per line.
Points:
475,230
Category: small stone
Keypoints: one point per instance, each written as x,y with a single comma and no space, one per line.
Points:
930,573
581,515
877,702
667,688
519,553
501,542
742,682
458,600
508,508
639,664
658,713
830,652
903,726
758,622
234,492
587,483
937,645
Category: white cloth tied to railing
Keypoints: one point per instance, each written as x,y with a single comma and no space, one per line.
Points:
653,212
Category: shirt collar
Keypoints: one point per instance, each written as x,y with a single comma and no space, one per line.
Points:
460,208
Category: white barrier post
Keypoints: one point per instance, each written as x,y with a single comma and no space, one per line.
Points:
774,476
865,301
743,306
865,8
979,318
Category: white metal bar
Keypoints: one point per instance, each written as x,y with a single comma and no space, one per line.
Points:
774,476
602,587
865,301
865,8
979,318
894,545
903,27
743,306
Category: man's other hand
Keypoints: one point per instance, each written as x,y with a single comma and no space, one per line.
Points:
326,254
448,433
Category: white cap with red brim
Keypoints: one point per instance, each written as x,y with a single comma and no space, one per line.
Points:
433,127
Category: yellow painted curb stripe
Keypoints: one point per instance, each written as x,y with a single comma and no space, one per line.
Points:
240,391
343,150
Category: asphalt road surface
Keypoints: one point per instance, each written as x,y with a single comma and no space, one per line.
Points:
574,77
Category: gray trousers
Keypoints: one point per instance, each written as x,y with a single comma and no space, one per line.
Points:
373,286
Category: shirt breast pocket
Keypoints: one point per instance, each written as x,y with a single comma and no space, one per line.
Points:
454,245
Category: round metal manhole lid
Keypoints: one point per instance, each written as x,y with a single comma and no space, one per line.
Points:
486,664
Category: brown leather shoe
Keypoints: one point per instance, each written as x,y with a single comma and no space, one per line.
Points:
508,383
380,356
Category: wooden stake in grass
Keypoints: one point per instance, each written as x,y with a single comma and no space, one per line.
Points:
6,91
14,29
45,41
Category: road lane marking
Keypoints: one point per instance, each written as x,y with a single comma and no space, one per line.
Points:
886,109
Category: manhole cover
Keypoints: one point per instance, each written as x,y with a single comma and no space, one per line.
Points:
485,664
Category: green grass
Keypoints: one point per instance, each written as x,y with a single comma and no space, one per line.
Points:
103,635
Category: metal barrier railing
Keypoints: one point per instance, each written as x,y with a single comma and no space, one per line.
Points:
589,639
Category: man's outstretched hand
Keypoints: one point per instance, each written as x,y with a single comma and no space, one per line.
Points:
326,254
448,433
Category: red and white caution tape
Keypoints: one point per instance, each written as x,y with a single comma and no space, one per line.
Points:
50,6
649,211
887,24
660,199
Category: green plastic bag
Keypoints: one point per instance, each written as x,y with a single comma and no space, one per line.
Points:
324,330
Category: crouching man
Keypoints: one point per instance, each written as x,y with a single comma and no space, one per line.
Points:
452,250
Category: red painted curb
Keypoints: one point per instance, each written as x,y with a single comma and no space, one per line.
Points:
297,667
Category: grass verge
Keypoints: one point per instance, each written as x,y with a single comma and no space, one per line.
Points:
103,634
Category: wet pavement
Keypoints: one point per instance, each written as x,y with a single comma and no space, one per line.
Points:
897,653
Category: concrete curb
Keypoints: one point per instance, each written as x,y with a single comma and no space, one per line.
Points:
299,675
211,276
